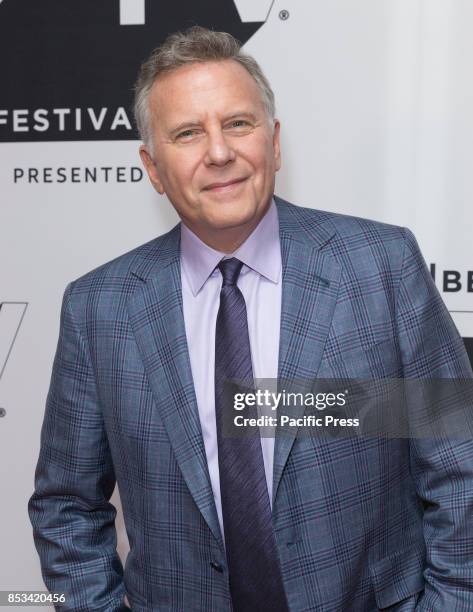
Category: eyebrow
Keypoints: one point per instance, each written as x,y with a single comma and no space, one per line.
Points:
185,125
243,114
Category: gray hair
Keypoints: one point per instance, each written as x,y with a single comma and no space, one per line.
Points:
195,45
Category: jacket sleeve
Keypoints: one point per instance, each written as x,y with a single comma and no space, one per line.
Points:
442,469
73,521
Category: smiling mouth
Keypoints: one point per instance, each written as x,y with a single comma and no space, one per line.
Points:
226,186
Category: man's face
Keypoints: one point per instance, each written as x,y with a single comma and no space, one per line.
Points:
215,152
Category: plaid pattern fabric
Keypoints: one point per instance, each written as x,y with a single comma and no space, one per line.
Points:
361,524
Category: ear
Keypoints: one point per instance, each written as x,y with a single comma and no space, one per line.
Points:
151,169
277,144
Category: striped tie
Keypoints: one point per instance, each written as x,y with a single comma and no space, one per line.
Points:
255,576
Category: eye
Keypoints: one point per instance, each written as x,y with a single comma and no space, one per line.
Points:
239,123
186,134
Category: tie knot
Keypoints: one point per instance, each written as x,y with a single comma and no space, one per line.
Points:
230,269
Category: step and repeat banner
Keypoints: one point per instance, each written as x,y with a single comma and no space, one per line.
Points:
374,99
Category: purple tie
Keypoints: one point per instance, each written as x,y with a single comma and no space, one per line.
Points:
255,576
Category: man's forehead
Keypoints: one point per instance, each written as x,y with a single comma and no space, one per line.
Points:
192,87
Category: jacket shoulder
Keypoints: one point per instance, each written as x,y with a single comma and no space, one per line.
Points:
348,227
139,260
364,248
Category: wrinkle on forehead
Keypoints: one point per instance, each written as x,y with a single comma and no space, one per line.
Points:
183,94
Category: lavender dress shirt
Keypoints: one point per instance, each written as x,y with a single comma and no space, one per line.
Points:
260,281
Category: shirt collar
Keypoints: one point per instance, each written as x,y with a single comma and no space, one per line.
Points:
261,252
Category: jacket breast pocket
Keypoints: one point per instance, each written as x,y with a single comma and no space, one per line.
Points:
379,360
398,576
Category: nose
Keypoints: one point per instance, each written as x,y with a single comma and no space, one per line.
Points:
219,150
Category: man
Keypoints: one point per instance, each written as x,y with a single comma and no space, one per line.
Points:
247,285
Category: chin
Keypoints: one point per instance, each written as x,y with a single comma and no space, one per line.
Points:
232,218
241,210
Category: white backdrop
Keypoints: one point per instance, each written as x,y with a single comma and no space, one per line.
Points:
374,98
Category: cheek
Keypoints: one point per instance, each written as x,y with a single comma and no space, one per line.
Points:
179,177
263,156
265,168
186,170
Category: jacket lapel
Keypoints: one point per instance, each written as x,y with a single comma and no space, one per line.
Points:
156,317
311,281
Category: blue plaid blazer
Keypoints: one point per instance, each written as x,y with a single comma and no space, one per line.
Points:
361,524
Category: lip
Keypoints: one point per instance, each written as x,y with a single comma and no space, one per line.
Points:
225,185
